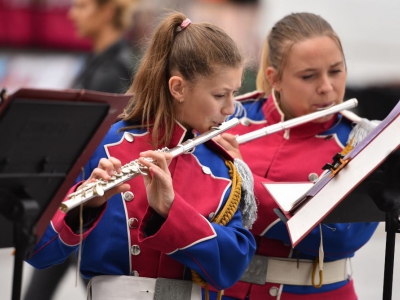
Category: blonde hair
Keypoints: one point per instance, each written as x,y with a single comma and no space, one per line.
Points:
284,34
198,50
124,9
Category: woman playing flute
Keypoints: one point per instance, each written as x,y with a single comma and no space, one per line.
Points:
153,235
302,70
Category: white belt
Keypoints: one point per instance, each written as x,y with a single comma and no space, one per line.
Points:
114,287
293,271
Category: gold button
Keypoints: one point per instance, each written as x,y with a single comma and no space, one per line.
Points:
128,196
133,222
135,250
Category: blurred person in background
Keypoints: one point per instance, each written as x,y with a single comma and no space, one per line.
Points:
109,68
105,22
302,70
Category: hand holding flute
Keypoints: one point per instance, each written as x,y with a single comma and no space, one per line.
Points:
230,144
157,180
100,179
105,170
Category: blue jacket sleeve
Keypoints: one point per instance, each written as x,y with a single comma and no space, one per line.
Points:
340,240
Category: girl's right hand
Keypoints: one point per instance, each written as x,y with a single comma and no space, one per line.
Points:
105,169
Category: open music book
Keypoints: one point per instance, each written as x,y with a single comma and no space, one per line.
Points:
302,213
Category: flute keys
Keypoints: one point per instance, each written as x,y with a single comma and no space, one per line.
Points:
72,195
98,190
128,196
134,169
125,170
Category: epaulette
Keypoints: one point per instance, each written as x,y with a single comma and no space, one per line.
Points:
251,95
361,129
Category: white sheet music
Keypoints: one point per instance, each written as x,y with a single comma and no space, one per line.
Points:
285,194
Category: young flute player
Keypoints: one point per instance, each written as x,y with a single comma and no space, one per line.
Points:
302,70
150,237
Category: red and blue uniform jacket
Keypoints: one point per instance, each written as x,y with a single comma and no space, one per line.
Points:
291,156
129,238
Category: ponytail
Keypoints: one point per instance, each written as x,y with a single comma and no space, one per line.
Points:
262,82
193,50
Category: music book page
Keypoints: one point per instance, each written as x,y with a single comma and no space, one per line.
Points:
329,191
286,194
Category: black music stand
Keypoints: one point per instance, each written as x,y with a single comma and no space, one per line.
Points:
376,199
46,138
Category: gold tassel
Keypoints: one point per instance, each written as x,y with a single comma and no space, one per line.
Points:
321,275
348,148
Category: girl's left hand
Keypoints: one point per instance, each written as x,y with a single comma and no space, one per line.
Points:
228,141
158,181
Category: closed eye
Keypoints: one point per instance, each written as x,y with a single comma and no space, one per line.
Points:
336,71
227,94
307,77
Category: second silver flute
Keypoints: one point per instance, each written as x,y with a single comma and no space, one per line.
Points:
134,168
296,121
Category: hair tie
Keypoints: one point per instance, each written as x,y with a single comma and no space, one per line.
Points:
183,25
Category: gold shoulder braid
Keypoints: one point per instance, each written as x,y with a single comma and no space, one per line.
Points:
223,217
231,206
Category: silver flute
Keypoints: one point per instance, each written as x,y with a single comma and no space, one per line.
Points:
134,168
296,121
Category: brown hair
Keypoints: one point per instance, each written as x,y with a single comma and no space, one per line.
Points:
123,12
195,51
289,30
